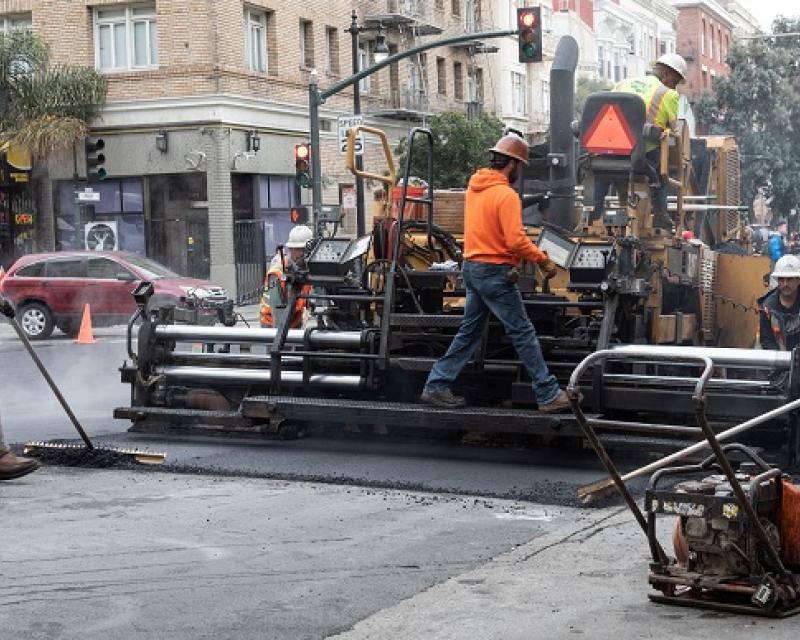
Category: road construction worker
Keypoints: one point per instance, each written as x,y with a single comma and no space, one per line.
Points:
779,310
494,244
273,299
658,90
11,465
777,240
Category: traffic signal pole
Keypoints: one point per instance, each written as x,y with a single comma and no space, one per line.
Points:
317,97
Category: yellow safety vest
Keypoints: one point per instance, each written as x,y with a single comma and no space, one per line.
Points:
661,101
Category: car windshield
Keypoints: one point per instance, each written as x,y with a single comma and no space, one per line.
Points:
152,270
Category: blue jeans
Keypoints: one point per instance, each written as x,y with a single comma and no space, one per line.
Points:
489,291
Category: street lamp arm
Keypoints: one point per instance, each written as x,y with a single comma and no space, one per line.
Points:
356,77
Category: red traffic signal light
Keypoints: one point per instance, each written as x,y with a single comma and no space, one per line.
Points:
302,164
529,22
527,19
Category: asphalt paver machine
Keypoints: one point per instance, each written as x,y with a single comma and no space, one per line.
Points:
385,306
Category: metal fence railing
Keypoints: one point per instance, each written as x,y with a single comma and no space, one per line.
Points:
250,256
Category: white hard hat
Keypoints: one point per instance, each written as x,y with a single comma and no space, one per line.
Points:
787,267
298,237
675,62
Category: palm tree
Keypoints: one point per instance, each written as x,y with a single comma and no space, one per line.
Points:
44,106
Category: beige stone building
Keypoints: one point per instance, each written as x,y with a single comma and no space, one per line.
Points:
206,101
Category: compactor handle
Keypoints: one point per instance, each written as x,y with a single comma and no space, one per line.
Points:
387,152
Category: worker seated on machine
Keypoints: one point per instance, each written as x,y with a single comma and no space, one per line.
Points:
274,297
661,98
779,310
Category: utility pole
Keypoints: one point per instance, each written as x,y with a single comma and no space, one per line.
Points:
354,31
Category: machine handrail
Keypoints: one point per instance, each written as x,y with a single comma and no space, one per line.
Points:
387,152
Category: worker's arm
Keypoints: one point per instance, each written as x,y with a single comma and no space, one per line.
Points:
767,338
514,233
669,110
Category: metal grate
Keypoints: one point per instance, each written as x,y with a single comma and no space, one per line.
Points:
248,237
708,276
732,190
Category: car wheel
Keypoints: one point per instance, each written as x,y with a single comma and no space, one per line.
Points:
36,320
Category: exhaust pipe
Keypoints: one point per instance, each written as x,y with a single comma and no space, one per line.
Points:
562,141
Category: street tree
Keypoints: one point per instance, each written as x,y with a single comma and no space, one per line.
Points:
460,147
583,88
759,103
44,106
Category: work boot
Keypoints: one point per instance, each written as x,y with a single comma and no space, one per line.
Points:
561,404
442,398
12,466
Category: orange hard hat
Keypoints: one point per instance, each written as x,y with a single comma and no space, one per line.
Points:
513,146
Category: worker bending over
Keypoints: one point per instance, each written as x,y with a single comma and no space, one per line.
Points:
275,295
494,244
779,310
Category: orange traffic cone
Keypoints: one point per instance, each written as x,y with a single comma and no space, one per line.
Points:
85,336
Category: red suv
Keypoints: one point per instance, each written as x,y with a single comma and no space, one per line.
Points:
50,289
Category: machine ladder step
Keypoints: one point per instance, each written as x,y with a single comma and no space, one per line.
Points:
411,415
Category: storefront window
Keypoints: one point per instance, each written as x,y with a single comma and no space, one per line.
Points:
121,201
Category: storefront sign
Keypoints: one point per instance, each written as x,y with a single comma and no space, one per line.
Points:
23,218
348,196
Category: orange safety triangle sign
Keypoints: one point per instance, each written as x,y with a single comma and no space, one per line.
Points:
609,133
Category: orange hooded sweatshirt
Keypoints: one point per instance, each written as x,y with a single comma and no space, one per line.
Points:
493,230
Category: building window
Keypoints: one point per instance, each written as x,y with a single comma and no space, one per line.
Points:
15,22
719,44
126,37
703,39
727,47
475,84
617,68
440,5
600,62
472,16
332,50
456,7
363,63
458,80
711,41
306,44
441,76
705,80
519,105
545,96
662,47
256,39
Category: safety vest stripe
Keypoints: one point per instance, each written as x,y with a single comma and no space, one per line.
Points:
655,103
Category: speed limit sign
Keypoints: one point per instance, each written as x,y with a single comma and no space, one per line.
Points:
344,123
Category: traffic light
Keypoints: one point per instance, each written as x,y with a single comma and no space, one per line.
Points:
95,159
299,215
302,164
529,23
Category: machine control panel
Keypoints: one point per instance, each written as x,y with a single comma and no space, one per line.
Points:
589,256
329,250
589,265
336,256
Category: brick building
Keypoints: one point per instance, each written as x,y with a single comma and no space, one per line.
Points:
196,86
704,37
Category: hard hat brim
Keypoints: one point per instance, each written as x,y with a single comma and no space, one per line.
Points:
509,155
786,274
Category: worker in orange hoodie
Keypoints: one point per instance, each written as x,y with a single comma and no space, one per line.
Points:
494,244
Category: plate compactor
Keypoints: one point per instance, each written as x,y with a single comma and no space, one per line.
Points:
736,538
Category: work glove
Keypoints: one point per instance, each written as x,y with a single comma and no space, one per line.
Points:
6,309
549,269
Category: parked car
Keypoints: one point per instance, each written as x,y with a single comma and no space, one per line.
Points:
51,289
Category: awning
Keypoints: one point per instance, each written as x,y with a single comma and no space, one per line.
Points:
17,156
